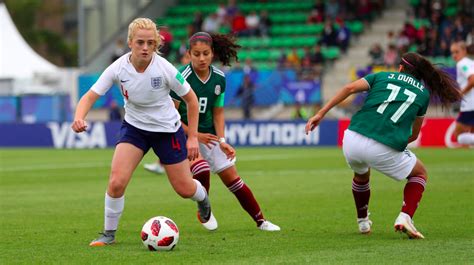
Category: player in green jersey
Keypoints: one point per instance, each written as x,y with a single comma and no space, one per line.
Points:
380,131
209,84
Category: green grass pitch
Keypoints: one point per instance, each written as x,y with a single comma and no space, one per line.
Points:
51,207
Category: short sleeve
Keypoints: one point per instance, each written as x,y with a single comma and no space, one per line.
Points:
105,81
467,68
220,101
370,79
176,81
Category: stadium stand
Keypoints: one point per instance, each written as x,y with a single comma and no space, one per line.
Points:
289,29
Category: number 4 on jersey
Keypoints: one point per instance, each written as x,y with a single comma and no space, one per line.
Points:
395,89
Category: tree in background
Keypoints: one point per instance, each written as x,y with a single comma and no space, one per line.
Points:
49,27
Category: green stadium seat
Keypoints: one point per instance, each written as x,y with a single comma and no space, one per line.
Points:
356,26
418,23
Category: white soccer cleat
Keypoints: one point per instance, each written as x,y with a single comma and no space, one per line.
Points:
364,225
155,168
268,226
210,224
404,224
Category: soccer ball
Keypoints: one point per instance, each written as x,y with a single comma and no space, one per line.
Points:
160,233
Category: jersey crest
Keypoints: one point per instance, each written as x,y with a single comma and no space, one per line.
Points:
217,90
156,82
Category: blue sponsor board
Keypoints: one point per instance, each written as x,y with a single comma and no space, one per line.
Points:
58,135
101,135
280,133
304,92
8,109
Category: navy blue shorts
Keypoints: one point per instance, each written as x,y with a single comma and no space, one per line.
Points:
169,147
466,118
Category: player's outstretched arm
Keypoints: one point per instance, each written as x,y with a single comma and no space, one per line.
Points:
344,92
85,104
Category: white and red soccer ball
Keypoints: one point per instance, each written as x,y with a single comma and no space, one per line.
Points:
160,233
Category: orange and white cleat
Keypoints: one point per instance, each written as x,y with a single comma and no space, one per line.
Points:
210,223
404,224
106,238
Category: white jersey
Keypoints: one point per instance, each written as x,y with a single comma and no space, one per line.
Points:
464,69
148,105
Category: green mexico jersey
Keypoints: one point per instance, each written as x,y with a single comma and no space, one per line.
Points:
393,102
210,94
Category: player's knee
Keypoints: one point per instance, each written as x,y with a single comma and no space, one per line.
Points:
116,187
116,190
185,190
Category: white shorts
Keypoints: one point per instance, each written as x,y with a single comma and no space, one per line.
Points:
216,158
363,153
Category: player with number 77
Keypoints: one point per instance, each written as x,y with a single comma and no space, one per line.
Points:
378,134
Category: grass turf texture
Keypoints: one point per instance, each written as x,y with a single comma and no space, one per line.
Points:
51,204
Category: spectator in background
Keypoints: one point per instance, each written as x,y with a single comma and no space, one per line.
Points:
363,12
329,36
197,22
249,69
390,57
245,93
306,71
222,14
282,61
181,51
391,39
212,23
332,9
231,10
460,30
317,56
315,17
115,114
343,36
265,24
376,54
239,27
252,22
319,7
293,59
119,50
317,60
167,38
429,45
402,42
409,31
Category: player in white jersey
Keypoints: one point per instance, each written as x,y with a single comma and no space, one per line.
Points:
151,121
464,131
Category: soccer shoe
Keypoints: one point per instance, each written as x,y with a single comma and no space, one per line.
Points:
155,168
106,238
205,216
268,226
404,224
364,225
210,224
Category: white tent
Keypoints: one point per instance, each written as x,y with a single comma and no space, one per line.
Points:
17,59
